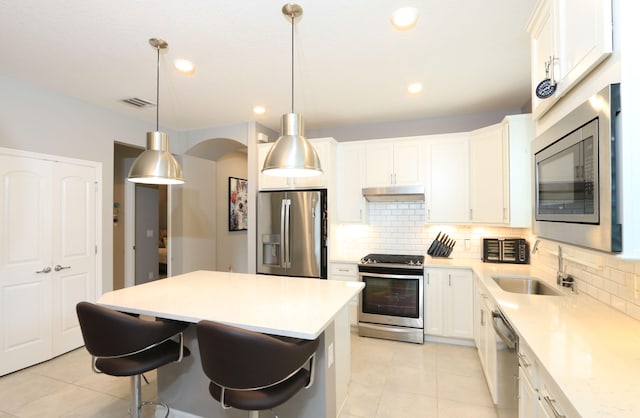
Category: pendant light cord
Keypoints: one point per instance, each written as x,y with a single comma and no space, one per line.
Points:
158,90
292,57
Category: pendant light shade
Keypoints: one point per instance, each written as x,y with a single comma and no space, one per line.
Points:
292,155
156,165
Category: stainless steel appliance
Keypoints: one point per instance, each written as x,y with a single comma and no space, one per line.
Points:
506,366
392,302
577,175
292,233
505,250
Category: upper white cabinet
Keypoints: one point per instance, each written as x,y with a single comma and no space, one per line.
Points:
351,178
447,178
394,162
325,147
488,159
569,38
500,173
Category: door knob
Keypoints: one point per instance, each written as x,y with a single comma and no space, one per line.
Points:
58,267
45,270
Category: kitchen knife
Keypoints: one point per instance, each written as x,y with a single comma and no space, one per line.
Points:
441,246
432,247
438,249
451,248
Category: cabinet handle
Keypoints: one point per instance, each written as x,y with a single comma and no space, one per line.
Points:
551,403
449,279
504,214
523,360
58,267
470,214
428,279
45,270
482,317
345,270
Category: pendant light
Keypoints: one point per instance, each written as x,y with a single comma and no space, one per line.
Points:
156,165
292,155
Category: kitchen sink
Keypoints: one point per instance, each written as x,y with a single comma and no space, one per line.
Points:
525,285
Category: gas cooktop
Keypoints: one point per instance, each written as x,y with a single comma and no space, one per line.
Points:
392,259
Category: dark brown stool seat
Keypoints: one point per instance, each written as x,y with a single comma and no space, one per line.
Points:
253,371
125,345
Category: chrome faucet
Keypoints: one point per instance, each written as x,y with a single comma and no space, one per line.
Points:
560,275
562,278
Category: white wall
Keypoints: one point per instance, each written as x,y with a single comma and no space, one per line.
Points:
231,253
192,217
37,120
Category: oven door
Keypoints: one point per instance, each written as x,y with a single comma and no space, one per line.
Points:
395,298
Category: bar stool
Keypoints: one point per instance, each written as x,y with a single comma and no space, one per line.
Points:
125,345
253,371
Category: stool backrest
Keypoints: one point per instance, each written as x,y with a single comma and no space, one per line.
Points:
110,333
239,359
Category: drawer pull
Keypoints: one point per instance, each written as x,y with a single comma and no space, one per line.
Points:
552,405
523,360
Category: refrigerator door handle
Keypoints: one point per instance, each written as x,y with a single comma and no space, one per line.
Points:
285,233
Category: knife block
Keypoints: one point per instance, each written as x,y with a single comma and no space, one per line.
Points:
441,247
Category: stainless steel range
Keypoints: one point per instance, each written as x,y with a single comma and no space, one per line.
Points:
392,302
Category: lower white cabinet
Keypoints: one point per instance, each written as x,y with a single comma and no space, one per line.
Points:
449,303
485,337
539,395
347,272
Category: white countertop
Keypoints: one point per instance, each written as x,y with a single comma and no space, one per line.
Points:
591,350
288,306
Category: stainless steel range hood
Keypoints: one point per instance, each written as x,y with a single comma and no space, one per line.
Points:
394,193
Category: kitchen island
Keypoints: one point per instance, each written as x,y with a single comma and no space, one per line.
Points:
285,306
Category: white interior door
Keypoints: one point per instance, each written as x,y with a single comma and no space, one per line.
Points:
25,262
74,250
47,219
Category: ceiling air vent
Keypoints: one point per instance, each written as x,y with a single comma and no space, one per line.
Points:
138,102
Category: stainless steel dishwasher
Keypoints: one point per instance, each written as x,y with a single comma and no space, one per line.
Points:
506,366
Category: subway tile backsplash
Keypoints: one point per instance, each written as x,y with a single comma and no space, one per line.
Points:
399,227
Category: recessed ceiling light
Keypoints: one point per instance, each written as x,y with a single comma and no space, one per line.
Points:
259,110
414,88
404,18
184,66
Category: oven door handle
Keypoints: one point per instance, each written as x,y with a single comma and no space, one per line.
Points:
391,276
509,340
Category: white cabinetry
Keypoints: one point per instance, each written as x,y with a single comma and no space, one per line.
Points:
485,337
449,303
351,178
500,173
347,272
325,147
447,178
574,36
539,395
394,162
488,159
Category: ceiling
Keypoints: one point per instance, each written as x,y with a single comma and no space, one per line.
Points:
351,66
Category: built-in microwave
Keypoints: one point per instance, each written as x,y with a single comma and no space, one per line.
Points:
576,171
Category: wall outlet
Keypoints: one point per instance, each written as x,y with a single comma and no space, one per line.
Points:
330,356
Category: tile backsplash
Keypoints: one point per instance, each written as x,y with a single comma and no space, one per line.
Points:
399,227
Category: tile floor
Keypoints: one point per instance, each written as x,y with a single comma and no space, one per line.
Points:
389,379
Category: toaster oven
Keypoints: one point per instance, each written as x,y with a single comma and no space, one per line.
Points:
505,250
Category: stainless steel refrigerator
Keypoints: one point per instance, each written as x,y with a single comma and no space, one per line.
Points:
292,233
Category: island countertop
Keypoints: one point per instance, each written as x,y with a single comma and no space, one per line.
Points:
289,306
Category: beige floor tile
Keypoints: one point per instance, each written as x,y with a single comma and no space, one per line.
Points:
362,400
451,409
466,389
460,360
21,388
406,405
412,380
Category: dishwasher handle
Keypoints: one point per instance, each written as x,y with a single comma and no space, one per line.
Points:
510,339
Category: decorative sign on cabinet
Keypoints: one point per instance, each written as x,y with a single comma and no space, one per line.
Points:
569,38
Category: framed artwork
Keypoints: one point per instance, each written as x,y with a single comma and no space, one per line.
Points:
238,211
